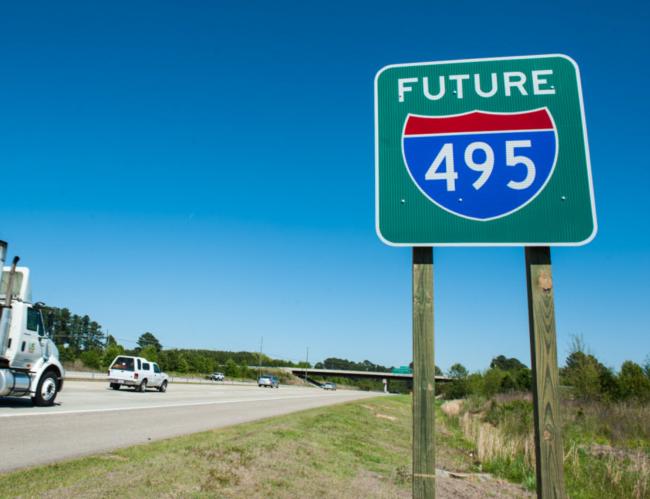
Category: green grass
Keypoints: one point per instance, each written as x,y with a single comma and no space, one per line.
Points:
359,449
513,469
349,450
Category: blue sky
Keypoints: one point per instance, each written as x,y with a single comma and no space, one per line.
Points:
205,171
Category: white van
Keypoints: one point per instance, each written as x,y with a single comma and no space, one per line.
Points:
136,372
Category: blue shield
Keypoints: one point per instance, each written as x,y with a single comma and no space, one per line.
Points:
481,165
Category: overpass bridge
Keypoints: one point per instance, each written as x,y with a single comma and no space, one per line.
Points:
341,373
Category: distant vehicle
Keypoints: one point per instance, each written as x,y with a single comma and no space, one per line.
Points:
29,360
136,372
328,386
268,381
217,377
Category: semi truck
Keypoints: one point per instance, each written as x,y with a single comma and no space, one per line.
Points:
29,359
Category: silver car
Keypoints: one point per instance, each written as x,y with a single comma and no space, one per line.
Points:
268,381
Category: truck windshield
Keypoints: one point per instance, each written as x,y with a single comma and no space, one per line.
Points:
124,363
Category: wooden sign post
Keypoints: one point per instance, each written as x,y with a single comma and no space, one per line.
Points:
549,453
424,445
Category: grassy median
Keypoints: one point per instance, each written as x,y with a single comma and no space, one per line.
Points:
358,449
352,450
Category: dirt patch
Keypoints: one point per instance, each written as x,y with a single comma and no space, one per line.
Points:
449,485
472,486
385,416
452,407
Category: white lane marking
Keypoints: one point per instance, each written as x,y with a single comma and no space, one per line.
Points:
160,406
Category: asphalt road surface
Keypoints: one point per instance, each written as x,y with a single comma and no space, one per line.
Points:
89,417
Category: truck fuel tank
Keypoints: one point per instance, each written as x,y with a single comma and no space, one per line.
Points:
14,383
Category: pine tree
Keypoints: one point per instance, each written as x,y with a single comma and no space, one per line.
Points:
94,336
75,339
148,339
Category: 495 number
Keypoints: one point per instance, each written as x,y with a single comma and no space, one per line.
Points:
449,174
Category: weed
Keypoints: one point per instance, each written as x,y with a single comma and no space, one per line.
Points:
402,475
220,477
606,445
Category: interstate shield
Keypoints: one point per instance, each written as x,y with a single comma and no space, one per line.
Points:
481,165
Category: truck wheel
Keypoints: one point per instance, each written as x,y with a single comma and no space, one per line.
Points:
143,386
115,386
46,390
163,387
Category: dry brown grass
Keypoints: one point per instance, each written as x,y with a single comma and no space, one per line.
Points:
452,407
607,446
493,442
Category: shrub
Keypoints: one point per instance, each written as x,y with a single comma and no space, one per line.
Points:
150,353
458,388
633,383
582,372
515,417
492,382
112,351
92,359
231,369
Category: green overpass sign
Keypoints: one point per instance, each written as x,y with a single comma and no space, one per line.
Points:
487,152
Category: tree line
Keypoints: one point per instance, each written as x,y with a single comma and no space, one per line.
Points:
81,338
78,333
583,375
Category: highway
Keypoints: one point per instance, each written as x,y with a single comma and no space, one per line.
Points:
90,418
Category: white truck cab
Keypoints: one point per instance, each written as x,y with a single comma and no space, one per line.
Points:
136,372
29,360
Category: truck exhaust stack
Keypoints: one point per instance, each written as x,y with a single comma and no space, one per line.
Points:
3,253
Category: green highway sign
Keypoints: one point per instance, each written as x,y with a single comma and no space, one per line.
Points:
483,152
